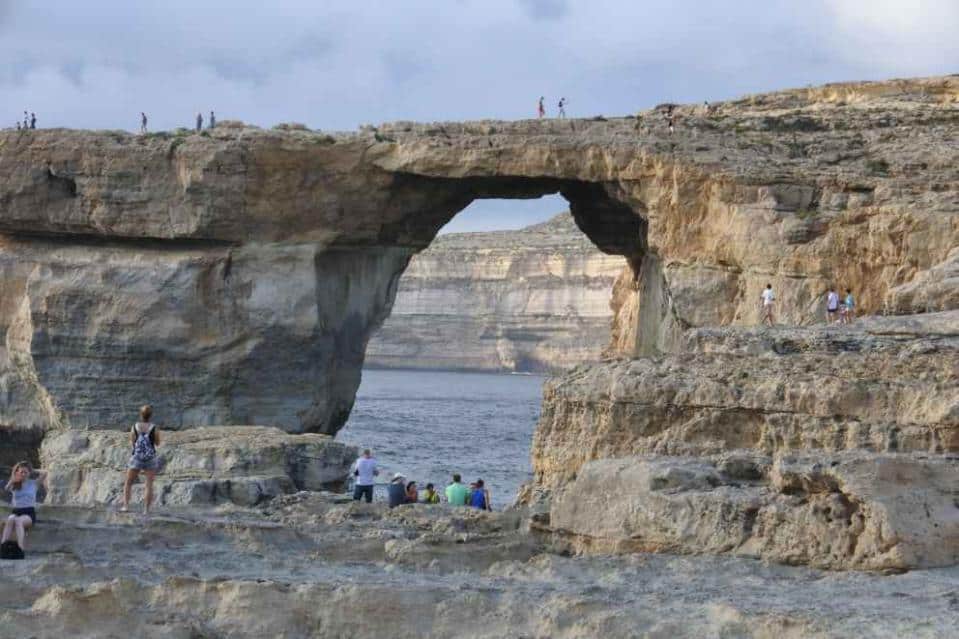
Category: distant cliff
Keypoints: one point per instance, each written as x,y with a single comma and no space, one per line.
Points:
536,299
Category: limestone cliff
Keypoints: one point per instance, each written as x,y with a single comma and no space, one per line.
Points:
536,300
236,276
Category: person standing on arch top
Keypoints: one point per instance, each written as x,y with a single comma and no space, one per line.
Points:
33,120
143,122
199,122
212,120
364,471
540,109
562,107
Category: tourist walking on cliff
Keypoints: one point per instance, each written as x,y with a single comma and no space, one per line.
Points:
768,297
832,306
396,491
23,491
144,437
562,107
212,120
456,493
143,122
364,470
540,109
199,122
848,308
480,497
33,120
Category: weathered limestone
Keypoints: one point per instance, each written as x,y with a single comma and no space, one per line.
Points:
307,565
243,465
881,384
849,510
536,299
216,262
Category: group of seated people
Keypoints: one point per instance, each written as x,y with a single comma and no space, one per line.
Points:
457,494
399,491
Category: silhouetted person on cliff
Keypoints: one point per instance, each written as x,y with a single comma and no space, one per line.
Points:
562,107
143,122
199,122
540,109
33,120
212,120
26,120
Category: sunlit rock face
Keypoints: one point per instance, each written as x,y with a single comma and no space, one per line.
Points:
237,276
531,300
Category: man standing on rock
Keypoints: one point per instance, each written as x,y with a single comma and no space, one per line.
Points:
143,122
767,300
199,122
212,120
540,109
832,306
457,493
364,471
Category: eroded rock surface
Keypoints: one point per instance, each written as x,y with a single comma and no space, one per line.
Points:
881,384
308,565
839,511
244,465
536,300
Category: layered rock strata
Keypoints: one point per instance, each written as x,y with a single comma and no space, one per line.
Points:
243,465
834,446
532,300
236,276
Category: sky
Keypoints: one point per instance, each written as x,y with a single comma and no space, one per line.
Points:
336,65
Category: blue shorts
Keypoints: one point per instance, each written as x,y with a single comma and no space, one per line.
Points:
144,464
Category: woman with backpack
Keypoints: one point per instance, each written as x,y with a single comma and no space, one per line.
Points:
23,491
145,437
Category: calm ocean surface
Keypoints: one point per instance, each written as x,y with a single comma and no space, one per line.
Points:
428,425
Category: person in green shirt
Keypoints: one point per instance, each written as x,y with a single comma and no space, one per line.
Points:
457,493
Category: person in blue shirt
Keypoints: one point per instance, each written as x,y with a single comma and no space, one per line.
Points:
396,490
480,498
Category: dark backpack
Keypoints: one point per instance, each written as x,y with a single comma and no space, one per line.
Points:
10,550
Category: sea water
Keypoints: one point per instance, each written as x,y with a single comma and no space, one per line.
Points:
428,425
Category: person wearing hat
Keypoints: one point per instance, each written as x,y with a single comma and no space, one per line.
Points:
396,490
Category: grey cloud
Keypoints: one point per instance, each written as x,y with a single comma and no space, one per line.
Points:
545,9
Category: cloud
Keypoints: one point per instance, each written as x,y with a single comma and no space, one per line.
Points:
545,9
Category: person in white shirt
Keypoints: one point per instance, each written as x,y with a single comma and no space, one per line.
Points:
767,305
364,470
832,306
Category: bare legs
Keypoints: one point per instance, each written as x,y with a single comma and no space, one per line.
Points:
148,498
20,524
767,316
132,475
